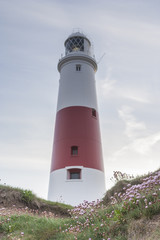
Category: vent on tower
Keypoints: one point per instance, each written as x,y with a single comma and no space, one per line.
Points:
78,67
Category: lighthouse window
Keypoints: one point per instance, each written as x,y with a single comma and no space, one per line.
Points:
75,44
78,67
93,112
74,150
74,173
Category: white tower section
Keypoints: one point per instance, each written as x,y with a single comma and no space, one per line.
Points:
79,89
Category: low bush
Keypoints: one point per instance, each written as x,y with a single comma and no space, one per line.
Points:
27,196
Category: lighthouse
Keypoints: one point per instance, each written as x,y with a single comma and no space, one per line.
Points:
77,171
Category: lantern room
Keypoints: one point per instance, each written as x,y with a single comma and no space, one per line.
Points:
77,42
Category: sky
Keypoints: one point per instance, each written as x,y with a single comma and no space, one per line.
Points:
126,40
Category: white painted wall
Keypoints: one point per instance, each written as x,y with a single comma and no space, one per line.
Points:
91,187
77,88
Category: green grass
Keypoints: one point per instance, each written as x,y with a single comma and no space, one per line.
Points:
35,228
63,205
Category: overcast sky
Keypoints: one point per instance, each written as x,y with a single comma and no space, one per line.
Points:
32,34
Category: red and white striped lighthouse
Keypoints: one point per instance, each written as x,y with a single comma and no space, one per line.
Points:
77,171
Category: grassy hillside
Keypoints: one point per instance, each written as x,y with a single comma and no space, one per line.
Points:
25,199
129,211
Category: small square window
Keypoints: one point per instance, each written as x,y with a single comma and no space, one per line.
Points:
78,67
93,112
74,173
74,150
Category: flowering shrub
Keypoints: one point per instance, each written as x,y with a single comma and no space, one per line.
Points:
102,222
88,216
118,176
145,196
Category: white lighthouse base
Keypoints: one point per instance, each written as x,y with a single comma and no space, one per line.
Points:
90,187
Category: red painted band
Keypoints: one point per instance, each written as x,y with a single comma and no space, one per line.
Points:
75,126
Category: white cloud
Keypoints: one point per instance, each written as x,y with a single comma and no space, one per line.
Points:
111,89
141,143
144,33
133,127
144,145
108,84
127,25
135,94
119,88
137,149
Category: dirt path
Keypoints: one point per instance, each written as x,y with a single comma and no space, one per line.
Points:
9,211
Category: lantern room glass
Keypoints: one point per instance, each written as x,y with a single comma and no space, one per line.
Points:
75,44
